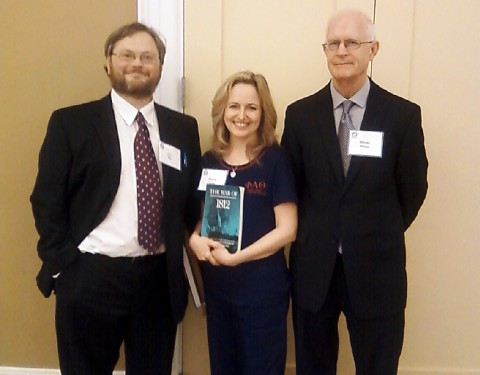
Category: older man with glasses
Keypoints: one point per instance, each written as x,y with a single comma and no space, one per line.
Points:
361,173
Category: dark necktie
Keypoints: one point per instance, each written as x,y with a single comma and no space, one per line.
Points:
149,190
344,134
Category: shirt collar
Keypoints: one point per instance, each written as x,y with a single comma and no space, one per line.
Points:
360,97
128,112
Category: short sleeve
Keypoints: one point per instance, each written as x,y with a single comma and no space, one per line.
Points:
283,184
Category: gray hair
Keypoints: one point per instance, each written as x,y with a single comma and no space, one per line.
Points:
369,25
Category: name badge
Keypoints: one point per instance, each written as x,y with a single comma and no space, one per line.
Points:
365,143
212,176
169,155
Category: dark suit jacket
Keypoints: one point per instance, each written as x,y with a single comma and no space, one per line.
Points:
368,211
78,177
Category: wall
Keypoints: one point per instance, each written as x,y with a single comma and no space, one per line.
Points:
51,56
444,261
428,54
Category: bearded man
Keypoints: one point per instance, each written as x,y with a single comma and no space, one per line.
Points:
112,199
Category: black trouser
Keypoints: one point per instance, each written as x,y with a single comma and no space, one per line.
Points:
102,302
376,343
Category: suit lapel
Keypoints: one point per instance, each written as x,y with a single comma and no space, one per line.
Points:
371,122
323,115
105,125
167,136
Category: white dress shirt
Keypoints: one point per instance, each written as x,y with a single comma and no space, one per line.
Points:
116,235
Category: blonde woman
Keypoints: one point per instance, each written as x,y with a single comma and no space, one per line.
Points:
247,293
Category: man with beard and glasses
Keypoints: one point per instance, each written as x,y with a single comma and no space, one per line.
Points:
112,199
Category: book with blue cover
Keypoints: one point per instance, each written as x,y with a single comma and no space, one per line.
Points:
223,215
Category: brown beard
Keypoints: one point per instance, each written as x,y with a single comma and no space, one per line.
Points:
139,91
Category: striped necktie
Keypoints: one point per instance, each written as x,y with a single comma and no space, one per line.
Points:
344,128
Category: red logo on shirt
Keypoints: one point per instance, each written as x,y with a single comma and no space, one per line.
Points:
256,187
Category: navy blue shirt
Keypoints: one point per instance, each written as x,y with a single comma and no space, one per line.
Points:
268,182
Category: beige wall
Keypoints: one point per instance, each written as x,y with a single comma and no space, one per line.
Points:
429,55
51,56
444,264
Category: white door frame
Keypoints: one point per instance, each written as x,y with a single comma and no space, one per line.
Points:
166,17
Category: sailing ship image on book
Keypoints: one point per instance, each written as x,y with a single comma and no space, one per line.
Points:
223,215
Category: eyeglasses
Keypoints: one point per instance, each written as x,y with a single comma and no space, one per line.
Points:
350,44
129,57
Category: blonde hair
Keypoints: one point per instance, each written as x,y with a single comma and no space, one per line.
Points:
268,122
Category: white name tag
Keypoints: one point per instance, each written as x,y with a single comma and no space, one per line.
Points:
365,143
169,155
212,176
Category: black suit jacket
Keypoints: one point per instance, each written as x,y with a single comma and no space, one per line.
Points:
78,177
368,211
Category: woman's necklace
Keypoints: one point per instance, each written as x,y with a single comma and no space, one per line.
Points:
240,160
233,172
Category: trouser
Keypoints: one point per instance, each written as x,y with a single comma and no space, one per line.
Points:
102,302
376,343
247,340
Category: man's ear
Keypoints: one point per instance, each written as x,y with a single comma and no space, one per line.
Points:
374,49
106,67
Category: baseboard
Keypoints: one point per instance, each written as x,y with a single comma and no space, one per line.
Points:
290,370
37,371
437,371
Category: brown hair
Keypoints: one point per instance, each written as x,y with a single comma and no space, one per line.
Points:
129,30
